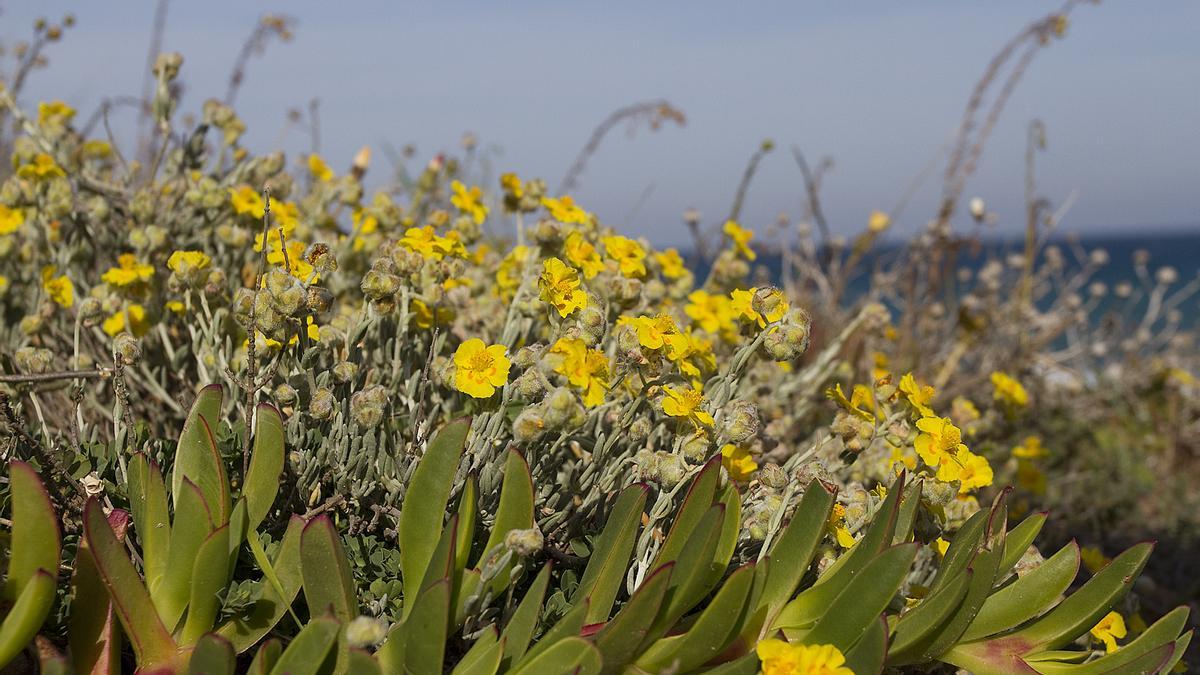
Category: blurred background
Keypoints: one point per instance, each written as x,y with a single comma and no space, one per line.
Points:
877,88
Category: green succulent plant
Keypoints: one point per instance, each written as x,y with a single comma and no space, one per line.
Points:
34,547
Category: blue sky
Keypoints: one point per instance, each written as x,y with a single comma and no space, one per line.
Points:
877,85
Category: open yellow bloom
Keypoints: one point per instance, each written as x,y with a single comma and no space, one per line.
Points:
508,272
565,210
583,254
974,471
691,353
941,546
939,442
629,254
54,112
319,169
652,332
184,263
10,219
918,396
738,462
559,284
132,319
741,302
713,313
423,240
480,368
837,527
128,271
684,402
671,263
43,167
1031,448
586,369
1109,630
1009,390
511,183
60,289
740,237
247,201
783,658
469,201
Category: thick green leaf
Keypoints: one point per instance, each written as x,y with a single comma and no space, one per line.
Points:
514,513
810,605
265,657
35,539
917,625
1019,540
1027,597
152,642
328,586
266,464
744,665
308,651
870,653
425,505
50,660
151,522
619,639
1081,610
727,542
1181,646
28,613
1146,662
92,634
569,655
569,625
908,512
197,458
468,512
524,620
963,547
213,655
193,523
691,579
794,550
605,572
1165,631
862,602
276,596
426,629
483,658
700,497
210,575
708,636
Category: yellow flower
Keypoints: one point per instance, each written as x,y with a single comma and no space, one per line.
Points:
586,369
511,184
1009,390
54,112
713,313
878,222
60,289
319,169
298,266
426,317
430,245
1093,558
247,201
738,462
128,271
564,210
882,362
176,306
137,323
691,352
740,237
469,201
42,167
10,219
480,368
941,546
974,471
1109,630
559,284
3,285
939,442
184,263
684,402
508,272
783,658
583,255
1032,448
900,456
837,527
859,404
96,149
671,263
918,396
741,303
652,332
629,254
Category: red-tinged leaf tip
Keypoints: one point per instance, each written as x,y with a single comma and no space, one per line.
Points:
118,520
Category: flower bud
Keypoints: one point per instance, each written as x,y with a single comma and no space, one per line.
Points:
528,425
367,407
696,448
344,371
741,421
318,300
126,349
285,394
773,476
322,404
670,469
378,285
366,631
33,359
321,258
638,430
524,542
91,311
